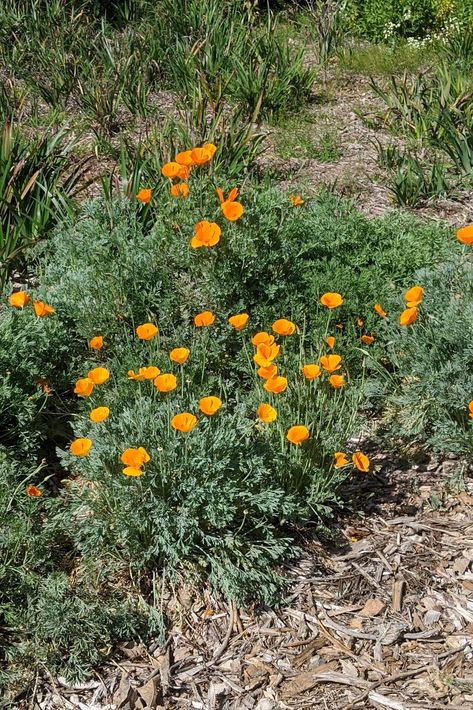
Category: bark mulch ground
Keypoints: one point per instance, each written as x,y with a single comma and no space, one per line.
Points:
382,619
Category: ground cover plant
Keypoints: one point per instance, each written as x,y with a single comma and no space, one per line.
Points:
194,359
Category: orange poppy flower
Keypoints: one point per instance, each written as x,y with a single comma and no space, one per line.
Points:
340,459
84,387
166,382
132,375
19,299
331,362
185,158
146,331
180,190
465,235
33,491
42,309
98,375
204,154
80,447
206,234
265,354
275,384
172,170
150,372
132,471
470,409
204,319
231,210
414,296
96,343
144,195
330,341
331,300
337,381
367,339
361,461
283,327
311,371
379,310
296,200
239,321
135,457
184,422
266,372
210,405
179,355
99,414
262,338
267,413
297,434
408,316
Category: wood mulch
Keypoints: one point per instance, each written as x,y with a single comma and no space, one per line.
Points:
382,619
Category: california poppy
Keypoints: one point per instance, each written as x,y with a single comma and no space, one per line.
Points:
465,235
144,195
414,296
99,414
132,375
296,200
231,210
132,471
96,343
204,154
379,310
210,405
275,384
184,422
179,355
266,413
266,372
146,331
166,382
181,189
204,319
337,381
80,447
19,299
331,362
330,341
239,321
311,371
265,354
98,375
470,408
367,339
33,491
150,372
408,316
340,459
331,300
84,387
42,309
184,158
283,327
361,461
297,434
172,170
262,338
135,457
206,234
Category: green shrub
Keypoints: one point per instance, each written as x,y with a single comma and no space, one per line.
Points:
430,379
